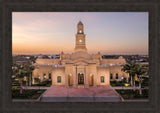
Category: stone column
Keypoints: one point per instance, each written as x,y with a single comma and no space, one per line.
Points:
66,76
53,78
94,74
75,76
113,76
66,80
86,77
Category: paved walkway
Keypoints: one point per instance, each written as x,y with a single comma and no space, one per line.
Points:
92,94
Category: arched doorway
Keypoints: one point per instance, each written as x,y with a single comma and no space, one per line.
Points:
80,78
91,80
70,80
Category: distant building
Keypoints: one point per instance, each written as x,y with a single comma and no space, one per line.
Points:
79,68
20,60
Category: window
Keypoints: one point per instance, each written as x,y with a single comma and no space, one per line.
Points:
116,75
44,76
102,79
111,76
49,75
59,79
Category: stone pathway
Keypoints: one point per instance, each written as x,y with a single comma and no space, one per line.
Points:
92,94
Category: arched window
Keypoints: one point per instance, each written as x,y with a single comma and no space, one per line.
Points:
49,75
44,76
111,76
102,79
116,75
59,79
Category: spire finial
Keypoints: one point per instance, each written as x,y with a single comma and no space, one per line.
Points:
80,23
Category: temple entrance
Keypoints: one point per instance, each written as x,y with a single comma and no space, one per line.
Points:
80,78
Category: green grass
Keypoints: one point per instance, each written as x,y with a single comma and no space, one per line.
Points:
27,94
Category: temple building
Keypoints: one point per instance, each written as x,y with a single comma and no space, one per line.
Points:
79,69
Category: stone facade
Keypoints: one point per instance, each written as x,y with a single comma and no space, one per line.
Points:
80,68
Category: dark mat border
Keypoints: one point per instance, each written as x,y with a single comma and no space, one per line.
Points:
9,6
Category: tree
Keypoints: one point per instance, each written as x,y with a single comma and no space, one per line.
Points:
21,74
28,68
141,70
33,59
31,68
25,69
131,68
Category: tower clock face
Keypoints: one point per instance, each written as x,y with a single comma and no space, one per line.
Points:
80,31
80,40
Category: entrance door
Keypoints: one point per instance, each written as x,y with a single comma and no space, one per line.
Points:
91,80
69,80
80,78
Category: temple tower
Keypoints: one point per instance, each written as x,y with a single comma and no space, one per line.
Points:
80,38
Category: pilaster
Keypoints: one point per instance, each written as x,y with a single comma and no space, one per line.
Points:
86,77
66,80
75,76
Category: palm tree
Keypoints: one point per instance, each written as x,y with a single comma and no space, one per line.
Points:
21,74
131,68
27,76
25,67
31,68
141,70
28,68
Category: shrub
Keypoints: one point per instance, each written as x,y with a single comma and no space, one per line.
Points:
116,83
44,83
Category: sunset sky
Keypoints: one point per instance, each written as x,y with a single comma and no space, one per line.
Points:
53,32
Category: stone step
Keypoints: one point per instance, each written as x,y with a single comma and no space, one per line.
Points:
81,94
